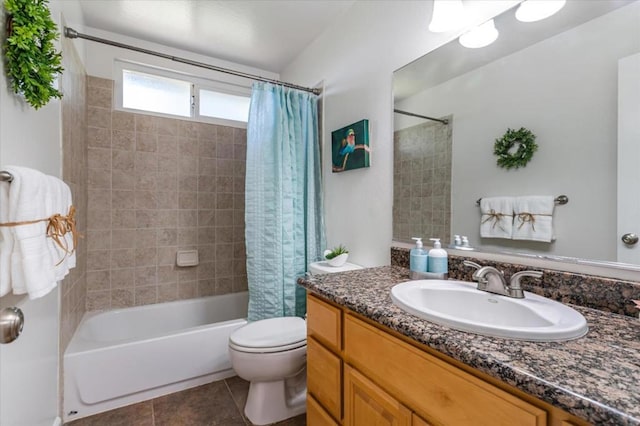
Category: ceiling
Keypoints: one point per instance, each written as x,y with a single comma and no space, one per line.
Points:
267,34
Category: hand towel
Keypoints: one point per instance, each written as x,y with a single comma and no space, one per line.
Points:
37,262
497,217
6,241
533,218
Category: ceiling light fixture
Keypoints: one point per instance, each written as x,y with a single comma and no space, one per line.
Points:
448,15
480,36
536,10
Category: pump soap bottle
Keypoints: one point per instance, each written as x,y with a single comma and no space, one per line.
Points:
418,257
438,262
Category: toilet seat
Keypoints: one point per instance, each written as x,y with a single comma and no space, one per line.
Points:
270,335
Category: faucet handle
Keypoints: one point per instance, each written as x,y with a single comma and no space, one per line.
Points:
514,282
471,264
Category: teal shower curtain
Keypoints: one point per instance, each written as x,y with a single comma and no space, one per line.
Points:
283,204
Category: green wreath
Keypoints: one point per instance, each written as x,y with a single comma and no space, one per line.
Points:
32,62
526,142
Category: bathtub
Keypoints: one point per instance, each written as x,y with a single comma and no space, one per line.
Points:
125,356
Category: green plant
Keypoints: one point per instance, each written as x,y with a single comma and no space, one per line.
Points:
32,61
337,251
526,146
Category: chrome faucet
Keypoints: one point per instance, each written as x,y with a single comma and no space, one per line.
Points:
493,281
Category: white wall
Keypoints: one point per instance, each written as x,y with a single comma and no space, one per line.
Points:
356,58
29,366
564,89
100,59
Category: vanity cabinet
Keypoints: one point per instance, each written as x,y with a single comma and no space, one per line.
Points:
362,374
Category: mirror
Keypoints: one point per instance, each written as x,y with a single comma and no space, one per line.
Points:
562,79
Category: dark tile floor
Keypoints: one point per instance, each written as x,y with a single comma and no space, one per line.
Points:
215,404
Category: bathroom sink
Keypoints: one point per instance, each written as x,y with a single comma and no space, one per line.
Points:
459,305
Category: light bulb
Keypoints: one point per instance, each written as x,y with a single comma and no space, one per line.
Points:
448,15
536,10
480,36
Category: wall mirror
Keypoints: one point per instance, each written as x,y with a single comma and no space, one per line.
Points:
568,79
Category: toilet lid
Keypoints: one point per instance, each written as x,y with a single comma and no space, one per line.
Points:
271,333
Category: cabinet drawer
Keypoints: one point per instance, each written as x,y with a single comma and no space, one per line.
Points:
434,389
324,322
316,416
324,377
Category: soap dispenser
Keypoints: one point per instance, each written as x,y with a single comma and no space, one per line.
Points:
438,262
418,257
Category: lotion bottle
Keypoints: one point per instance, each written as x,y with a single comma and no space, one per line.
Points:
438,261
418,257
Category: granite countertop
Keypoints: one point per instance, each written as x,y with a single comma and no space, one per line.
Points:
596,377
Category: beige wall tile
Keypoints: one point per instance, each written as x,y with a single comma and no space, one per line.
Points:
122,278
98,300
124,140
99,158
99,97
122,298
156,185
123,121
123,258
98,280
99,117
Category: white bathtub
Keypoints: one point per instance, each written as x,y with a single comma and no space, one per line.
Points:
124,356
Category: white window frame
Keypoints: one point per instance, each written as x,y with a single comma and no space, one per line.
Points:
197,83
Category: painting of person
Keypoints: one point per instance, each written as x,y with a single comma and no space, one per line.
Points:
350,147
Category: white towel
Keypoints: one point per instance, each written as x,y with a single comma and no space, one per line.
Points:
533,218
6,241
36,262
497,217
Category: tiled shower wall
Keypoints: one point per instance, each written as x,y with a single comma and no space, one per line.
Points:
422,182
74,172
156,186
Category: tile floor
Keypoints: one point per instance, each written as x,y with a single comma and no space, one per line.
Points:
215,404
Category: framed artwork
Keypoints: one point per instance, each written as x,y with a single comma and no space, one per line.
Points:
350,147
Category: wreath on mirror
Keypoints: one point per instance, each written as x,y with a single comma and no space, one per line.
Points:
32,62
515,148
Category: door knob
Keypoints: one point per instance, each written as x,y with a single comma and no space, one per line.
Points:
11,323
630,239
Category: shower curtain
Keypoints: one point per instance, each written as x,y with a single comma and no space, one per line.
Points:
284,227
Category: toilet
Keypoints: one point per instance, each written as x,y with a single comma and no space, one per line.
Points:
272,354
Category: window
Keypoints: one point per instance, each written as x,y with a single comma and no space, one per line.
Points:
156,91
153,93
224,105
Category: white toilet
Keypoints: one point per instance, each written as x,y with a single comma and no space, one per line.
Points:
272,355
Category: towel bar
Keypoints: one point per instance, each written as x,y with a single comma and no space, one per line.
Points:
559,200
5,176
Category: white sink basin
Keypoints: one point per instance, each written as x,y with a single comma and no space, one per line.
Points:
460,305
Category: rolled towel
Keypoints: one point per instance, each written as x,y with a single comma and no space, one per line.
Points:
497,217
533,218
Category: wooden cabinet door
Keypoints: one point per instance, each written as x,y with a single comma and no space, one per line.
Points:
316,415
365,404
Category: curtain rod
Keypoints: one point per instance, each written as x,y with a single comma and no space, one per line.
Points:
443,121
71,33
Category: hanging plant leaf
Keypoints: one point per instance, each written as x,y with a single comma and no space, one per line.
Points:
31,60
